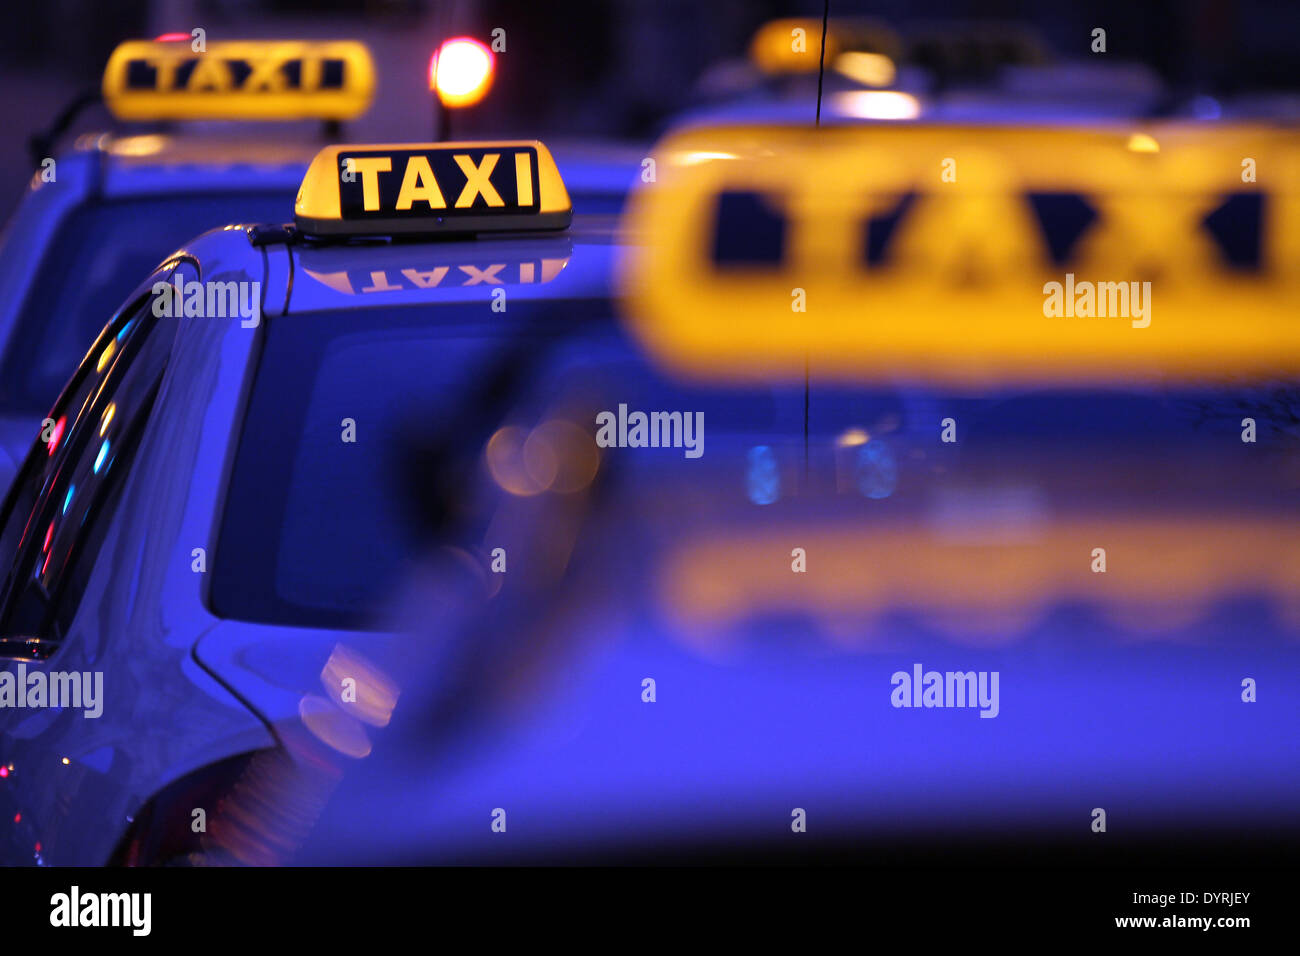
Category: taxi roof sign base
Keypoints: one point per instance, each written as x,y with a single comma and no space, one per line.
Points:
967,291
450,226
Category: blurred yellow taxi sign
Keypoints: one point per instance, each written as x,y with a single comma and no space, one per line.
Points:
793,45
239,79
432,188
970,255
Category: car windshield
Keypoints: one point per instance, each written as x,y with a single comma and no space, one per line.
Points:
101,253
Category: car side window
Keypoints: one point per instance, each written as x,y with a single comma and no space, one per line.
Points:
64,497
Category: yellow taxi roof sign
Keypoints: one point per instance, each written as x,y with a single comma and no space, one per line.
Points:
922,252
432,188
239,79
793,44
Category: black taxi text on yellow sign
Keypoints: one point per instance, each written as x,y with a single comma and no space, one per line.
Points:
430,189
928,253
239,79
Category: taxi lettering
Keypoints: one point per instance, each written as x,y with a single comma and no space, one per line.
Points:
239,79
478,179
209,73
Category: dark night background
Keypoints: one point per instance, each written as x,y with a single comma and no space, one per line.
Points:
601,69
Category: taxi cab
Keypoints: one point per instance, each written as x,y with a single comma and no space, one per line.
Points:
98,217
309,351
914,473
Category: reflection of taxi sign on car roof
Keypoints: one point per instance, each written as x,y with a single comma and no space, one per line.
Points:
508,265
435,188
717,578
971,255
239,79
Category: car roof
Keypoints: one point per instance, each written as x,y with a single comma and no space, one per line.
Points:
213,159
163,163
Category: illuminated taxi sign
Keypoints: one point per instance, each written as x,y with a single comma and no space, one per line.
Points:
239,79
923,252
793,45
433,188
